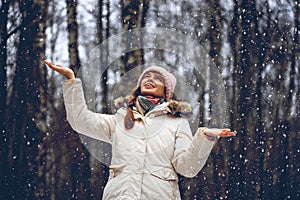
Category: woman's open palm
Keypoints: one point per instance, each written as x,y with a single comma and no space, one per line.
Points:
67,72
216,132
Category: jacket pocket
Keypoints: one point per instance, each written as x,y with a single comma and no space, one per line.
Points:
114,170
169,177
164,173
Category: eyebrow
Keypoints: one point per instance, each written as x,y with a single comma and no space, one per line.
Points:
155,73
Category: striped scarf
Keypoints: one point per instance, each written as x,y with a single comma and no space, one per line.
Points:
146,103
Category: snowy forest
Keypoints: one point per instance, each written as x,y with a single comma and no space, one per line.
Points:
253,45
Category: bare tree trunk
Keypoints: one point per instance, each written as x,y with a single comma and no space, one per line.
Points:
288,144
262,40
27,105
80,172
295,82
3,58
235,48
3,96
133,17
99,25
234,44
281,116
243,113
100,170
104,83
73,35
215,41
246,101
97,179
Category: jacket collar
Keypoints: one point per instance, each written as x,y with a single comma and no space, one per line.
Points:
176,108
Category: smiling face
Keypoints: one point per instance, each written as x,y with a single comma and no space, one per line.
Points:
153,84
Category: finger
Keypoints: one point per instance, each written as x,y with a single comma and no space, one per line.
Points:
225,130
231,134
49,63
58,68
228,134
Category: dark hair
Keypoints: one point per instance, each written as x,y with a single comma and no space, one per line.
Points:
129,117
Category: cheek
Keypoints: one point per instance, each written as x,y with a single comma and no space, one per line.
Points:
143,81
161,89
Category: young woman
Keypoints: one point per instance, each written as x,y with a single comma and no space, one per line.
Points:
151,142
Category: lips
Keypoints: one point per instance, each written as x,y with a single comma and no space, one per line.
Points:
149,85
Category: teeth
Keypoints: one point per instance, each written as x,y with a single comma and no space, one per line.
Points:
149,85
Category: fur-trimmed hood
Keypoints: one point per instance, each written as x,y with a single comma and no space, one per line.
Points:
174,107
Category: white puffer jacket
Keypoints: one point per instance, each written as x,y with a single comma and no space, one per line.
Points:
146,158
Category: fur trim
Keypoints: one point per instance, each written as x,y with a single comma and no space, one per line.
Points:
121,102
176,107
180,108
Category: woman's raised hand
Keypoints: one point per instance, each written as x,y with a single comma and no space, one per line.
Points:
216,132
67,72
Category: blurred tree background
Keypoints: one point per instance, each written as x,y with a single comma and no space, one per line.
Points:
254,44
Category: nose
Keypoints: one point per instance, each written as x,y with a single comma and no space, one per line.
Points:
149,79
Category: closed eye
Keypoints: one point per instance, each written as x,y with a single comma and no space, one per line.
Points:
146,76
160,79
154,76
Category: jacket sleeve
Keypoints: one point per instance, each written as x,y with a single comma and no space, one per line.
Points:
82,120
191,152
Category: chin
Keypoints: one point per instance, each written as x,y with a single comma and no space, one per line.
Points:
148,92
